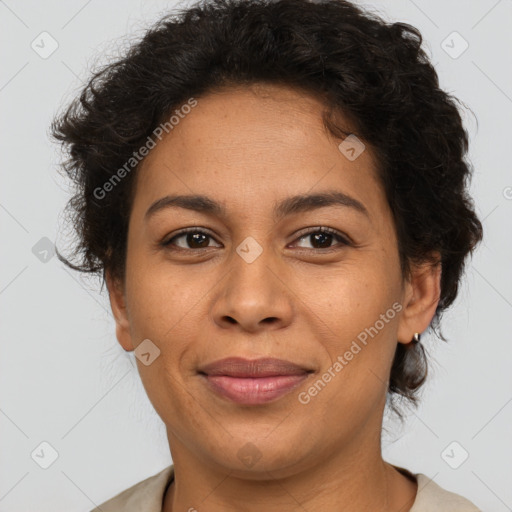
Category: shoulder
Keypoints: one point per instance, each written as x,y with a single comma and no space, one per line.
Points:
145,496
433,498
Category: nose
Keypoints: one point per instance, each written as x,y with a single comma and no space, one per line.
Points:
253,296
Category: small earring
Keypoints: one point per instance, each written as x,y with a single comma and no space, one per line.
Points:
416,338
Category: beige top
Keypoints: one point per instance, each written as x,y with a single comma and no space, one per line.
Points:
147,496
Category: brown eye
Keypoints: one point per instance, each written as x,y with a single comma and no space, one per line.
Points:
197,240
192,239
323,238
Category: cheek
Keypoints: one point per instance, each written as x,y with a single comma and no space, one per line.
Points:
354,298
169,306
163,310
158,296
361,315
360,306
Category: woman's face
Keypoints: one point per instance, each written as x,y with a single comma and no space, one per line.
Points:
258,280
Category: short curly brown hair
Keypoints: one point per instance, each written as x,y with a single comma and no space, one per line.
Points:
374,72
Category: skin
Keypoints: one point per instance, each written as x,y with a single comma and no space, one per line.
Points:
248,148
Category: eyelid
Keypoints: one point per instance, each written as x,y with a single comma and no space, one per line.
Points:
324,229
192,229
343,238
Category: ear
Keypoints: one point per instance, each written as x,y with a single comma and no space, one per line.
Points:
421,295
119,310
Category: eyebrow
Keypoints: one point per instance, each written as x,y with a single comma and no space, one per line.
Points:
295,204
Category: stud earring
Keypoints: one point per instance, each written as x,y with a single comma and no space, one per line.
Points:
416,338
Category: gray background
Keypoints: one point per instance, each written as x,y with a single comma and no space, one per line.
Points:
65,380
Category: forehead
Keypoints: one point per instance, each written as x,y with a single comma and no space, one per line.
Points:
264,140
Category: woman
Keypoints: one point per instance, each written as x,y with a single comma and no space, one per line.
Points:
275,195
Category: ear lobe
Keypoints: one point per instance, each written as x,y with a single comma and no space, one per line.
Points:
421,297
120,312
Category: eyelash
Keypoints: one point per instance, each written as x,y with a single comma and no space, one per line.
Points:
342,239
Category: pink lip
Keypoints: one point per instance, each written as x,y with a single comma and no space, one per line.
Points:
253,382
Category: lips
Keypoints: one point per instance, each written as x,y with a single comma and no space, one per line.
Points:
253,382
265,367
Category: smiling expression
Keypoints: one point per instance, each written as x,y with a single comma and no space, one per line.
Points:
252,235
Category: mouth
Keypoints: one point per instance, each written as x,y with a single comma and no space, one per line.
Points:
253,382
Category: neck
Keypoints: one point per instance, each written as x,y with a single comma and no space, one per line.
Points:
355,477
